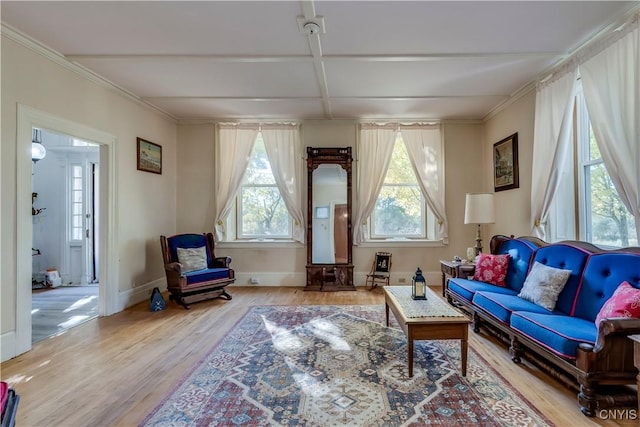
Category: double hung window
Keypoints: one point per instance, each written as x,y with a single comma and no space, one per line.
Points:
589,190
260,210
400,211
604,219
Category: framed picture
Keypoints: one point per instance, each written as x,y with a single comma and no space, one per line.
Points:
505,163
322,212
149,156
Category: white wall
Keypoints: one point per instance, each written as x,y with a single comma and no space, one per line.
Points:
517,117
285,265
146,202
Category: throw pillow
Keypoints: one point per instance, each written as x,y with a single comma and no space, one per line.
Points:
543,285
192,259
492,269
625,302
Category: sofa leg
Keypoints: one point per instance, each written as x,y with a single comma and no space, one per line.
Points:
476,323
515,350
587,400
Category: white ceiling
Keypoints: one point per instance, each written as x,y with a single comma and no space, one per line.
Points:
374,59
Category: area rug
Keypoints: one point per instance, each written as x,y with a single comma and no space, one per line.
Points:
337,366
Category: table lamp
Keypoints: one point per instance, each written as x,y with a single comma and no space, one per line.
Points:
479,209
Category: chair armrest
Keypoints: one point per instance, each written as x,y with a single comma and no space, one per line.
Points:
221,261
174,266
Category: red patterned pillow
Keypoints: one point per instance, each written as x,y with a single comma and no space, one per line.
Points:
492,269
625,302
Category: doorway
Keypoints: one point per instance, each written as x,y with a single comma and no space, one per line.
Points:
65,196
106,235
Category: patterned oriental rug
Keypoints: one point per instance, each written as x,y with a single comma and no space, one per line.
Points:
337,366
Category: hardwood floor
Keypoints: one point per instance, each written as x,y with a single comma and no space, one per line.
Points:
112,371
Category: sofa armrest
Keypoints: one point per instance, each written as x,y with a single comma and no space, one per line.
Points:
619,326
221,261
613,350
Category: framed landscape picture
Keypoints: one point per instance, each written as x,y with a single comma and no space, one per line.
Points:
149,156
505,163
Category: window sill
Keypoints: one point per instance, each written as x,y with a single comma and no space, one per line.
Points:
259,243
402,243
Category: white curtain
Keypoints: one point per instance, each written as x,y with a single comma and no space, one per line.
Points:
375,146
611,84
235,142
424,146
551,143
282,143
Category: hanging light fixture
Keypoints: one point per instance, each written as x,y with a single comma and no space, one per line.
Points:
37,149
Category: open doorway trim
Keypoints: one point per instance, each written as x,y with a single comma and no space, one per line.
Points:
108,291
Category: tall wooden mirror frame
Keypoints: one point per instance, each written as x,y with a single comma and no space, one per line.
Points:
324,276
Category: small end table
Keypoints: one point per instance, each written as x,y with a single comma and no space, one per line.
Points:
453,269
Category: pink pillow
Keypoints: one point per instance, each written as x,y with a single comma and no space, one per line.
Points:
625,302
492,269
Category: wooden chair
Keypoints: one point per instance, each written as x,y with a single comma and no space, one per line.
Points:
191,283
380,271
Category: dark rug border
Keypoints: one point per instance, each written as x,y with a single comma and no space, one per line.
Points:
249,308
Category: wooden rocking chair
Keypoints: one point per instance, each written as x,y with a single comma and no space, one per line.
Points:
380,271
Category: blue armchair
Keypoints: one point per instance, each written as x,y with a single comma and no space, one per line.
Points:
193,271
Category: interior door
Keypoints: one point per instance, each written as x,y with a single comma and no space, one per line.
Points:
340,228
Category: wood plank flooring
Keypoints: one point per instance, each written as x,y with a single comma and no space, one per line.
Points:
112,371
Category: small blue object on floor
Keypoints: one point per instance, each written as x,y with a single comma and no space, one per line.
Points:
156,302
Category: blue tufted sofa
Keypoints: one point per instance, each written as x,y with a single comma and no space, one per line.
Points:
565,342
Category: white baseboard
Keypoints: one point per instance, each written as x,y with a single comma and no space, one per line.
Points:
299,279
7,346
140,293
143,292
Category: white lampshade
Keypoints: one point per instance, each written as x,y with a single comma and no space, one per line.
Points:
479,209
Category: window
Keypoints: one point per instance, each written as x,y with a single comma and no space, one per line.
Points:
400,210
604,219
77,194
261,212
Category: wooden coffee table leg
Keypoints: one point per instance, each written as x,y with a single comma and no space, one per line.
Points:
410,355
464,346
386,309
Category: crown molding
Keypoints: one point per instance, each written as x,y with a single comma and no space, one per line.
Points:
59,59
524,90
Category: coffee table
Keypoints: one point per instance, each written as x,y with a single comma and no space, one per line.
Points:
431,319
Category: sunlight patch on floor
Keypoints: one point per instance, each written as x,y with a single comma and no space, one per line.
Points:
73,321
81,302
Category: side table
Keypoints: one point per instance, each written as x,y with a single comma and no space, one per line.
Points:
455,269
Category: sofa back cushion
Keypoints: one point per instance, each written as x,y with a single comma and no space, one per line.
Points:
520,252
565,257
603,274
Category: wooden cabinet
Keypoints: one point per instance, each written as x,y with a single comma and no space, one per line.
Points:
329,277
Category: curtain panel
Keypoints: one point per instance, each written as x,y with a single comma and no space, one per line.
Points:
426,153
551,139
375,146
611,84
235,142
282,143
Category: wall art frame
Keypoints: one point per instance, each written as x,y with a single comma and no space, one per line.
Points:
505,164
149,156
